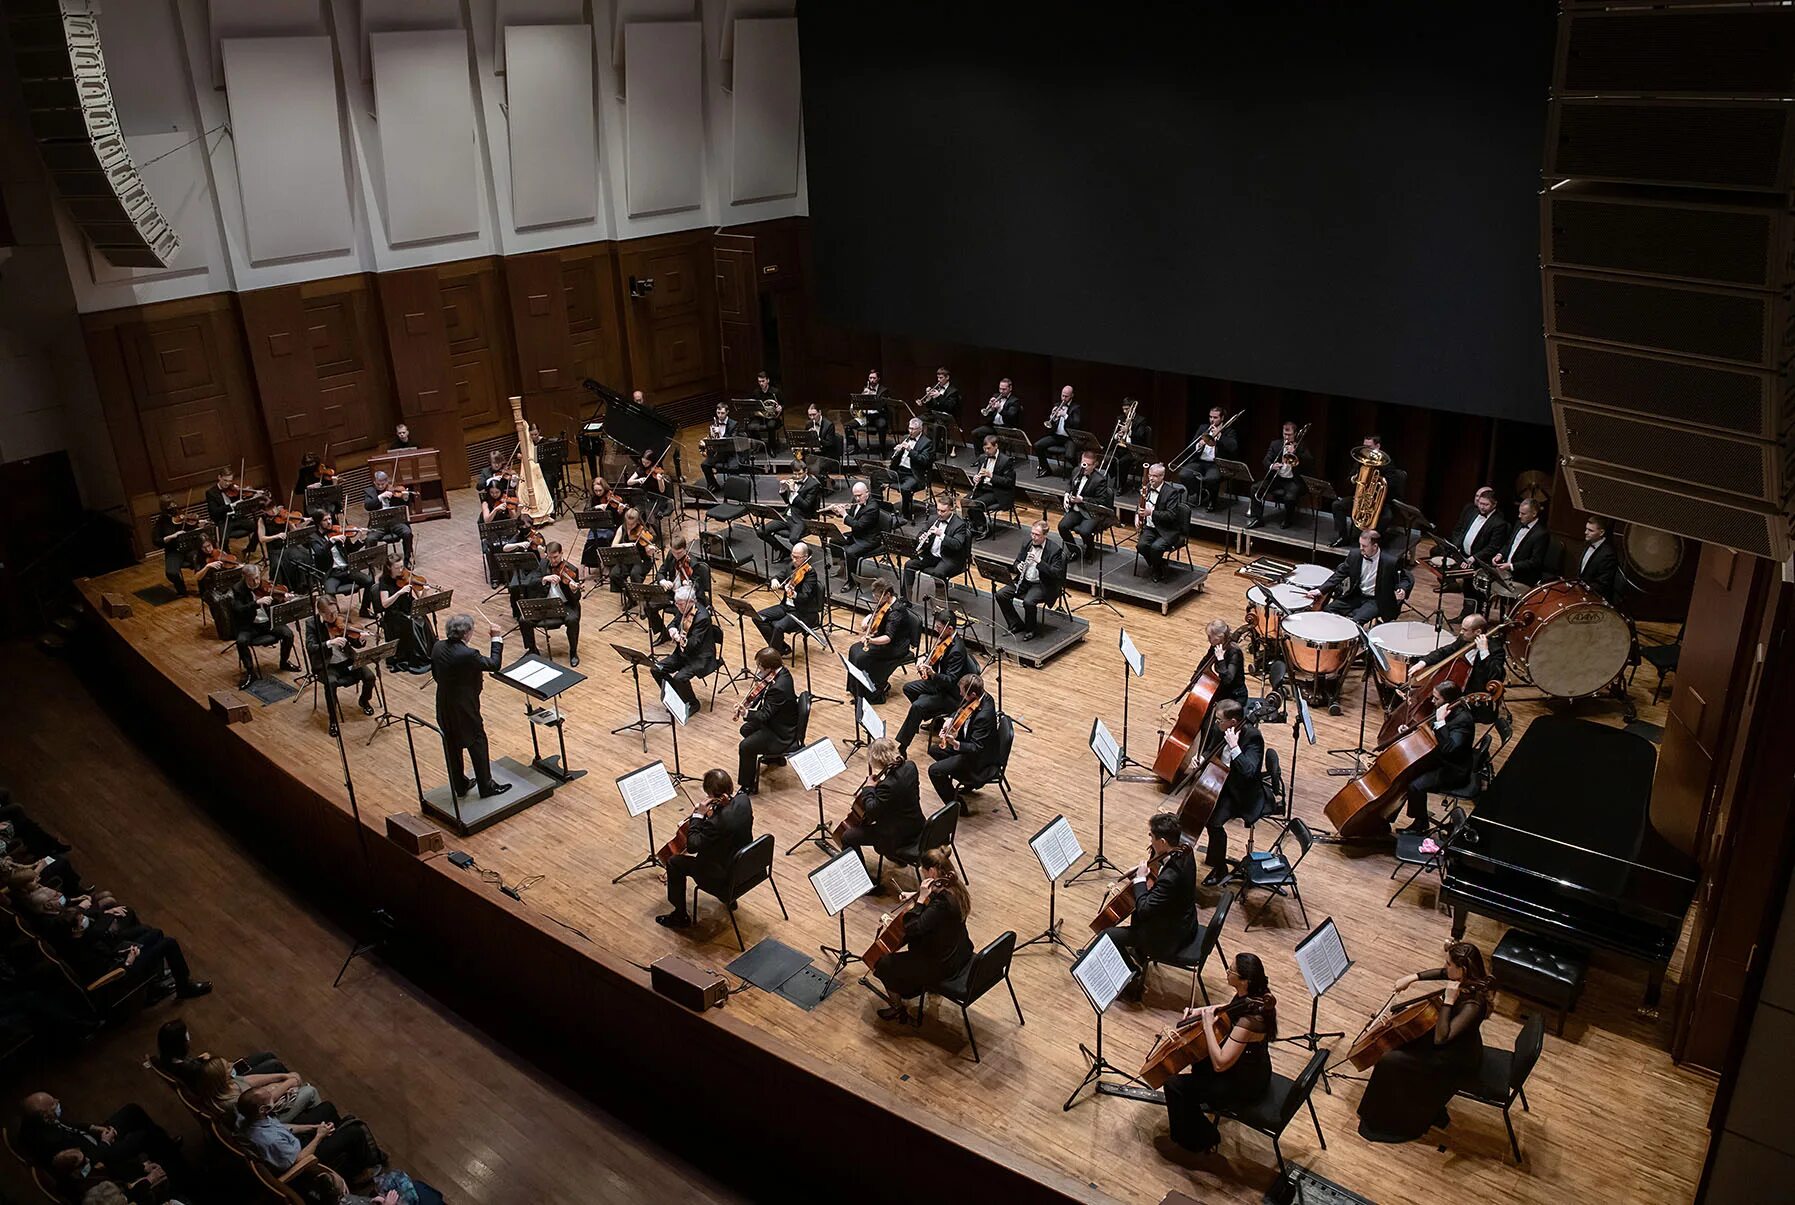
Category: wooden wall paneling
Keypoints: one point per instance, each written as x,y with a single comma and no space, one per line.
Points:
594,329
672,340
839,361
538,299
476,322
411,304
738,310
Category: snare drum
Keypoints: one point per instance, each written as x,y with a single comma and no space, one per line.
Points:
1566,640
1320,643
1404,643
1264,618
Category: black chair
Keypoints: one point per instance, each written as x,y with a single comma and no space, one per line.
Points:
998,771
803,728
1271,1113
937,830
989,967
716,674
1195,953
1483,770
714,546
734,493
1277,872
751,866
1410,853
1663,658
1502,1079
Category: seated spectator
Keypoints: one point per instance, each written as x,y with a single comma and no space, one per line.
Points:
174,1044
346,1146
54,869
391,1187
218,1084
120,1145
78,1178
15,825
92,950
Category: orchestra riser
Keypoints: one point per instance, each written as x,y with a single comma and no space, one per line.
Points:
1596,1092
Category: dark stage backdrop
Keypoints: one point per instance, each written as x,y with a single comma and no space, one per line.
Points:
1329,196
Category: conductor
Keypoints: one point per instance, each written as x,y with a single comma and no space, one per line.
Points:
460,672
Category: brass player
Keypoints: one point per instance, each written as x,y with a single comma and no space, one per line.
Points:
1088,488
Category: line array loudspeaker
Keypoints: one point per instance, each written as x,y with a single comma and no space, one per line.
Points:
1761,530
1677,51
56,48
1757,470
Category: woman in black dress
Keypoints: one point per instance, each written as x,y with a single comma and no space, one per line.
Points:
1410,1086
398,623
1230,664
936,945
1227,1072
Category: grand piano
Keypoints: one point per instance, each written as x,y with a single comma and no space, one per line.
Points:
1562,844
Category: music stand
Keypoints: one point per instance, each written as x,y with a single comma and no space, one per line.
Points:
1056,849
865,718
956,479
383,519
837,883
321,497
897,547
426,608
545,681
821,638
1134,665
623,557
1237,472
1321,957
366,560
816,763
744,614
648,595
829,539
1373,656
1104,517
1320,492
643,790
510,564
1000,573
637,660
375,654
680,713
295,611
1101,973
1108,762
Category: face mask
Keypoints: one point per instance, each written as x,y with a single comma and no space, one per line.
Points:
82,926
56,1110
62,901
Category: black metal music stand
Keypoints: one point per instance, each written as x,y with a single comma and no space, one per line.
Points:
895,548
1373,657
1237,472
649,596
1104,517
811,634
1320,493
622,557
1098,863
375,655
1000,573
745,613
637,660
829,540
545,681
1103,947
509,565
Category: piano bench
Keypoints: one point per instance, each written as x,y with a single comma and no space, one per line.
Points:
1550,972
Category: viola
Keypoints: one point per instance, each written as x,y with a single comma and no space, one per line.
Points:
1402,1026
1363,807
1193,714
340,627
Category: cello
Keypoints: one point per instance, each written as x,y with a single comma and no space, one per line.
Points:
1193,714
1402,1026
890,938
1362,808
1118,903
1455,669
1177,1048
682,836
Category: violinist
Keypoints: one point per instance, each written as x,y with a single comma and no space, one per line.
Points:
499,471
1287,459
1245,796
966,744
887,806
212,558
1228,662
1411,1085
166,532
802,601
804,504
1040,580
330,643
679,569
556,577
941,548
994,477
769,716
694,654
610,510
383,494
1454,759
866,527
719,455
398,589
1088,488
649,477
1487,659
330,561
911,463
313,471
229,506
634,533
887,640
285,547
249,602
1163,520
720,827
1165,910
936,945
1065,418
1200,476
1004,409
936,690
1230,1071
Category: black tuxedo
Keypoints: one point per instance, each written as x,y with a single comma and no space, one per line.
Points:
1165,532
999,493
866,533
337,579
716,458
936,692
946,402
1451,764
977,752
1126,464
914,478
806,504
1097,490
243,607
1346,531
163,533
1200,475
1286,491
700,581
460,672
768,429
1599,568
1231,675
769,728
1346,596
696,659
806,605
712,843
1528,562
894,816
1058,440
399,534
339,672
956,543
230,517
1009,414
1492,537
1165,915
1244,795
878,661
828,439
879,416
1045,590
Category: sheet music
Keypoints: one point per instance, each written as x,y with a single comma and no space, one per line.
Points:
855,675
676,706
870,720
1321,956
840,881
1101,972
646,789
1137,660
534,674
1056,847
817,763
1105,747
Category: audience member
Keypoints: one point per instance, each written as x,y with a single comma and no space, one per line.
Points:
345,1145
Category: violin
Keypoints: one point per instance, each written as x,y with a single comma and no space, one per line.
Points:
335,531
753,700
682,836
1118,903
270,592
952,728
407,578
339,628
212,554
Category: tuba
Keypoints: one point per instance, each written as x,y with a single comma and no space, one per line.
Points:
1369,487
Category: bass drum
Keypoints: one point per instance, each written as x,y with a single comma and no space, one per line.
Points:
1565,639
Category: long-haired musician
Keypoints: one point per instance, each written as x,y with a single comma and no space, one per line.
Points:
1234,1070
936,944
889,804
1411,1085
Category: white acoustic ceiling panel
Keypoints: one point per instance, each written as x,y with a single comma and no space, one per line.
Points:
287,136
767,115
529,12
625,13
257,19
425,109
554,140
403,16
664,116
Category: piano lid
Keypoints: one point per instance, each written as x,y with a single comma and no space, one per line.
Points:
1571,808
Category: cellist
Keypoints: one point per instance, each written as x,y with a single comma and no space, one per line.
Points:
722,826
1228,661
1454,757
1165,914
1411,1085
1228,1071
936,944
1244,796
1486,660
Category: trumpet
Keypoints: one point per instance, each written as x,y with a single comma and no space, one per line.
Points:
993,406
1060,411
930,394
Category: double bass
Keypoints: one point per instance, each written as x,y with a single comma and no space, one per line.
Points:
1455,669
1362,808
1193,714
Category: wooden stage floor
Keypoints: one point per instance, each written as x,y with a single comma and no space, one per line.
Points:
1612,1119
